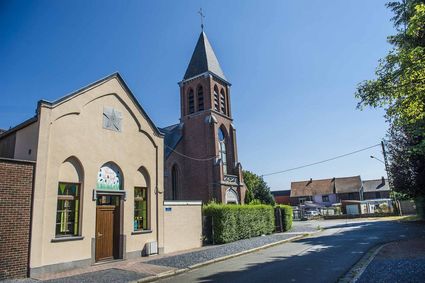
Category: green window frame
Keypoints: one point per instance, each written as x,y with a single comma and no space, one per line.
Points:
68,210
141,214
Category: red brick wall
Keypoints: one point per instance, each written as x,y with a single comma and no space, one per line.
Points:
201,180
282,200
16,183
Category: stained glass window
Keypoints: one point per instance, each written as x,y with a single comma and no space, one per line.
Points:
68,210
140,208
109,177
222,149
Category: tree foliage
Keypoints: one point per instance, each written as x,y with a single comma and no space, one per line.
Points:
399,88
407,166
257,188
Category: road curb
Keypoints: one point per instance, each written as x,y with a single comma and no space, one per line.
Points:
208,262
359,268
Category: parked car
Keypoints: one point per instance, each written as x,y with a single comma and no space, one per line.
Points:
311,213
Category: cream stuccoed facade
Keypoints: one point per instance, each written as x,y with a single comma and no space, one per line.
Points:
70,143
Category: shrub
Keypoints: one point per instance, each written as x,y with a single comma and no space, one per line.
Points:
287,216
234,222
255,201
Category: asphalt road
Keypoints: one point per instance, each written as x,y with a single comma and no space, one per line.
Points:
324,257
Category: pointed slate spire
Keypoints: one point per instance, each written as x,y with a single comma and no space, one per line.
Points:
203,60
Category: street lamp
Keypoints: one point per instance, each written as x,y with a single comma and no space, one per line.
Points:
373,157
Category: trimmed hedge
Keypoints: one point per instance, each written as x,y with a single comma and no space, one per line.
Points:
287,216
234,222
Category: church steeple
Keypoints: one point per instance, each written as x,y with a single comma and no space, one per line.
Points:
203,60
203,145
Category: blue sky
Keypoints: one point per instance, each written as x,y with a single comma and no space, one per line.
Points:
293,65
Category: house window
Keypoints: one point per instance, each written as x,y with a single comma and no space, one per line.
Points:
222,149
325,198
140,208
200,98
68,210
351,195
302,200
191,102
378,194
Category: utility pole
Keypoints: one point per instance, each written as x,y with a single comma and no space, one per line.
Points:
384,153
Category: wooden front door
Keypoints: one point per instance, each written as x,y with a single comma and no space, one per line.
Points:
105,232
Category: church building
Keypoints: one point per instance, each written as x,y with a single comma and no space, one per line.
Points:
88,174
201,160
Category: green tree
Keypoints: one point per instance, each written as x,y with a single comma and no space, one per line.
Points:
399,88
249,197
258,188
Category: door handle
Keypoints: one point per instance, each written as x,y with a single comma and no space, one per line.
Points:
99,235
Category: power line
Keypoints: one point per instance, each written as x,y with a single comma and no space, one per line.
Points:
189,157
323,161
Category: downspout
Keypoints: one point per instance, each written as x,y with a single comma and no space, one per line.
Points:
156,195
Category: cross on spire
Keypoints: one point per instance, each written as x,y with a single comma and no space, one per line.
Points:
201,14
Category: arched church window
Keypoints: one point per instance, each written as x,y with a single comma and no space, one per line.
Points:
174,181
200,94
222,102
191,101
216,98
222,149
231,196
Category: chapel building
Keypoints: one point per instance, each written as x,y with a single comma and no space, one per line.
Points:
94,190
201,160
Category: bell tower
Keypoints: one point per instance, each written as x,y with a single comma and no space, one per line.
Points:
206,154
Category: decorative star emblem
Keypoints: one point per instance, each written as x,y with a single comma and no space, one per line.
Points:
112,119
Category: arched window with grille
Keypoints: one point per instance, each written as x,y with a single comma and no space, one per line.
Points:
222,102
222,149
191,101
200,94
216,106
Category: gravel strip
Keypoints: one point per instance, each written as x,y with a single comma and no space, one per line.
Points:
394,270
23,280
104,276
188,259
